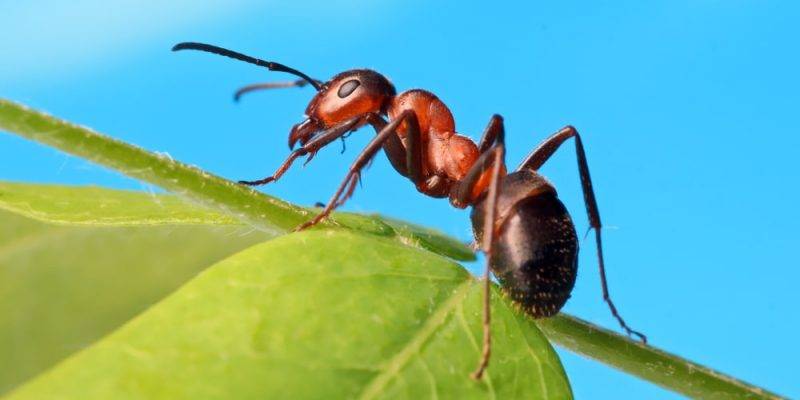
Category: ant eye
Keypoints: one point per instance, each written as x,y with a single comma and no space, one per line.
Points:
348,87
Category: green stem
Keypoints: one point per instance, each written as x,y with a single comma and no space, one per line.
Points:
257,209
649,363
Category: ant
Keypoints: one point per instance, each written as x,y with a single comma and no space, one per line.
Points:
518,220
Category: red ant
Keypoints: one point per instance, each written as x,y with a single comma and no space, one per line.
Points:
522,226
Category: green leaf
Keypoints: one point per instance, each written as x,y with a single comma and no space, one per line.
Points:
320,314
228,198
431,239
48,273
64,287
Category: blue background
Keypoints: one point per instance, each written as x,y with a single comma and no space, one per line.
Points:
688,111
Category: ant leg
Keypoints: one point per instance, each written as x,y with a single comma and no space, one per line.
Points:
468,189
393,146
495,157
311,148
268,85
536,159
413,154
348,185
492,147
491,133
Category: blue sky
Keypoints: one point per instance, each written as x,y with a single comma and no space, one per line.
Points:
687,109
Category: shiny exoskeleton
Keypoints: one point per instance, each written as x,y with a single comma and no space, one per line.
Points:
535,252
519,222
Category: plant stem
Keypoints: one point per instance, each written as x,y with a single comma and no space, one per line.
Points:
257,209
649,363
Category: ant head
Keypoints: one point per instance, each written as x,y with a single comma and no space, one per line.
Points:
347,95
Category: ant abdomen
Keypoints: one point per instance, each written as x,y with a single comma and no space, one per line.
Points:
536,255
535,250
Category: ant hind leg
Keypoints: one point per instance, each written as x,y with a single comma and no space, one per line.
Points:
536,159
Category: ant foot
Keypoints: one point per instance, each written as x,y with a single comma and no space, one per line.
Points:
258,182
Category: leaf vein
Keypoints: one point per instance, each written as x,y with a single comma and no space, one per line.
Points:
33,239
536,359
401,358
431,378
463,323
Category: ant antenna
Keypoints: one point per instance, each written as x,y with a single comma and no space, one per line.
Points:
272,66
269,85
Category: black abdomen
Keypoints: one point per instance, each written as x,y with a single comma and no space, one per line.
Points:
536,255
535,252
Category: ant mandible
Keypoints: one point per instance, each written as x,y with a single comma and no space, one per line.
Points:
518,220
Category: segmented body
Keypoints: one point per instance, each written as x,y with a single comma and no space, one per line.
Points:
535,252
447,156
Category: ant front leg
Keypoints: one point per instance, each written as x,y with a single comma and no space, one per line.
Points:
348,185
310,148
536,159
405,158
